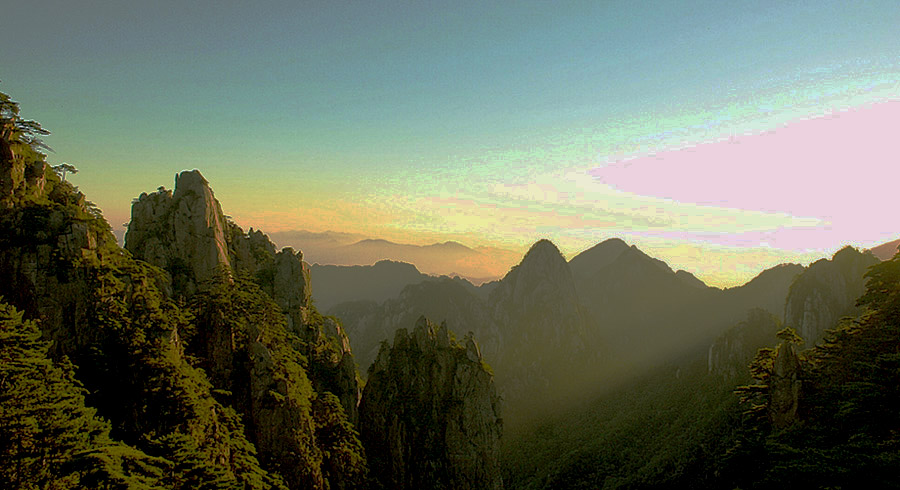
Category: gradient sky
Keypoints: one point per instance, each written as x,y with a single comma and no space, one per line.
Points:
723,137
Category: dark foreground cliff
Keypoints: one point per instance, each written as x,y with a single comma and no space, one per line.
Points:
430,415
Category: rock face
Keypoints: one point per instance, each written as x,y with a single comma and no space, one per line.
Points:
784,386
430,416
182,232
43,246
730,354
110,315
826,292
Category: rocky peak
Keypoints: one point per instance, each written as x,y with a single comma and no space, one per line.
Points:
430,416
186,233
182,232
541,327
597,257
542,275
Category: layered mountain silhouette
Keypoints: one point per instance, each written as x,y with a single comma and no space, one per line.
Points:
478,265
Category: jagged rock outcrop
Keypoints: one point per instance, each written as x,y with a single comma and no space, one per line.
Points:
110,315
430,416
186,233
784,386
826,292
22,174
49,231
181,231
730,354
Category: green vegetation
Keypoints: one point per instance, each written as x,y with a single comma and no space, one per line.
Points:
665,430
48,437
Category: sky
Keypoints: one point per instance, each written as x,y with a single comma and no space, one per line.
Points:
723,137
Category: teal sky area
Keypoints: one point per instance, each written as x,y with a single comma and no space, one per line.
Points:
490,123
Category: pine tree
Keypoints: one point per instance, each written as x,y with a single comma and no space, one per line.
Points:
48,437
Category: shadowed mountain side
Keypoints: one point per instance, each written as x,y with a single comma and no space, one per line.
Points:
826,292
530,325
610,313
478,265
643,313
732,352
544,330
334,284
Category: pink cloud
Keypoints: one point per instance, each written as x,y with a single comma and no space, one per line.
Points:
843,168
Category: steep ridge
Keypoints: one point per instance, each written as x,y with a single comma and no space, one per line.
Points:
646,313
592,260
534,326
639,308
530,324
182,232
169,229
826,292
430,414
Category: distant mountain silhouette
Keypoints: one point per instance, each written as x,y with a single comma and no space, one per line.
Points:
385,279
886,251
597,257
478,265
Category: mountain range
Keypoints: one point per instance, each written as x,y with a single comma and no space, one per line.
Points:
197,357
478,265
